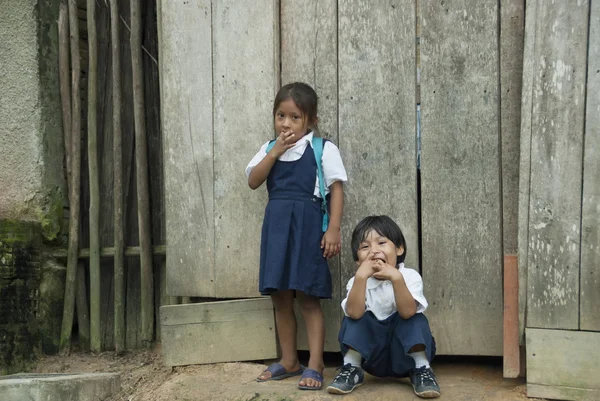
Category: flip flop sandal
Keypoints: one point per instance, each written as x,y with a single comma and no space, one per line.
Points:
311,374
278,372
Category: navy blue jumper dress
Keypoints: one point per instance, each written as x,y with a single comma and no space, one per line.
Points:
291,257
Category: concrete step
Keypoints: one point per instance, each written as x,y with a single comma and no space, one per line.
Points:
59,386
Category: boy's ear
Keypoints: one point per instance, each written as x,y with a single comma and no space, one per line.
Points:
400,250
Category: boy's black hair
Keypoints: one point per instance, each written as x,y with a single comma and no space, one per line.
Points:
303,95
382,225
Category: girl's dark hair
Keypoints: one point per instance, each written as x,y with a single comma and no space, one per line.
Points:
303,95
382,225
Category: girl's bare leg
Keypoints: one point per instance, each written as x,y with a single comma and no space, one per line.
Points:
285,320
315,328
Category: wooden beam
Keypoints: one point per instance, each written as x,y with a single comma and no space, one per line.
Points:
109,252
562,364
225,331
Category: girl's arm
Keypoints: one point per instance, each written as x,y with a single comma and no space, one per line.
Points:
336,204
331,243
259,174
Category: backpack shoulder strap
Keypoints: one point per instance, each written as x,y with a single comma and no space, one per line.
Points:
317,144
270,146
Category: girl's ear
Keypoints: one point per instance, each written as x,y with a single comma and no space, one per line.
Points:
400,251
313,124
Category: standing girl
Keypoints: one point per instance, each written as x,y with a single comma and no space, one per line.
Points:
294,249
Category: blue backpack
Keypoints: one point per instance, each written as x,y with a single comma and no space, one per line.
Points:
317,145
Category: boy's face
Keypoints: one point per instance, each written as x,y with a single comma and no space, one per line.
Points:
376,246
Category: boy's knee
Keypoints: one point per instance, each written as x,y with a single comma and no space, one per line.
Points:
417,348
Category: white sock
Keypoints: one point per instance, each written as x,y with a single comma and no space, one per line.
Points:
420,358
353,358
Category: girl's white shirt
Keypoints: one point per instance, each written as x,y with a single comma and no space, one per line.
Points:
333,168
380,298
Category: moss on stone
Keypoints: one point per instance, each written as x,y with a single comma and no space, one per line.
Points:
50,215
19,232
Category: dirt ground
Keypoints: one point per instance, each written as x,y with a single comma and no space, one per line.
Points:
144,378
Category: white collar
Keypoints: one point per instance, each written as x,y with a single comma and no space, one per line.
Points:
301,142
373,282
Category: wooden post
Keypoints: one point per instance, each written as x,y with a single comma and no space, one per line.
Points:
141,156
83,313
95,341
74,207
119,285
63,70
511,353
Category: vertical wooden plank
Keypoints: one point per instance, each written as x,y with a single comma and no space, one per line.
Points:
512,27
556,155
461,227
529,58
309,54
377,117
590,213
510,351
246,77
187,106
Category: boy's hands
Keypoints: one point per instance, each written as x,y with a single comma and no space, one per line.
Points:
385,271
284,141
331,243
379,269
366,268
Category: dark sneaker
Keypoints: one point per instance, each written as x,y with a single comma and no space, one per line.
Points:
349,378
424,383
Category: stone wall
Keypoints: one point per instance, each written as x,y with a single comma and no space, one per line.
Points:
32,187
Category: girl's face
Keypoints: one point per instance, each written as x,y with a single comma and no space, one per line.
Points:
288,117
376,246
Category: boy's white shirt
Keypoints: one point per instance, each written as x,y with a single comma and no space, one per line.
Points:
333,168
380,299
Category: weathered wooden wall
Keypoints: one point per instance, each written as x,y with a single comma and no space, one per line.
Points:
361,58
214,219
559,211
460,179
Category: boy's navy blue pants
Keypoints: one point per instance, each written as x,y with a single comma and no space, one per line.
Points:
384,344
